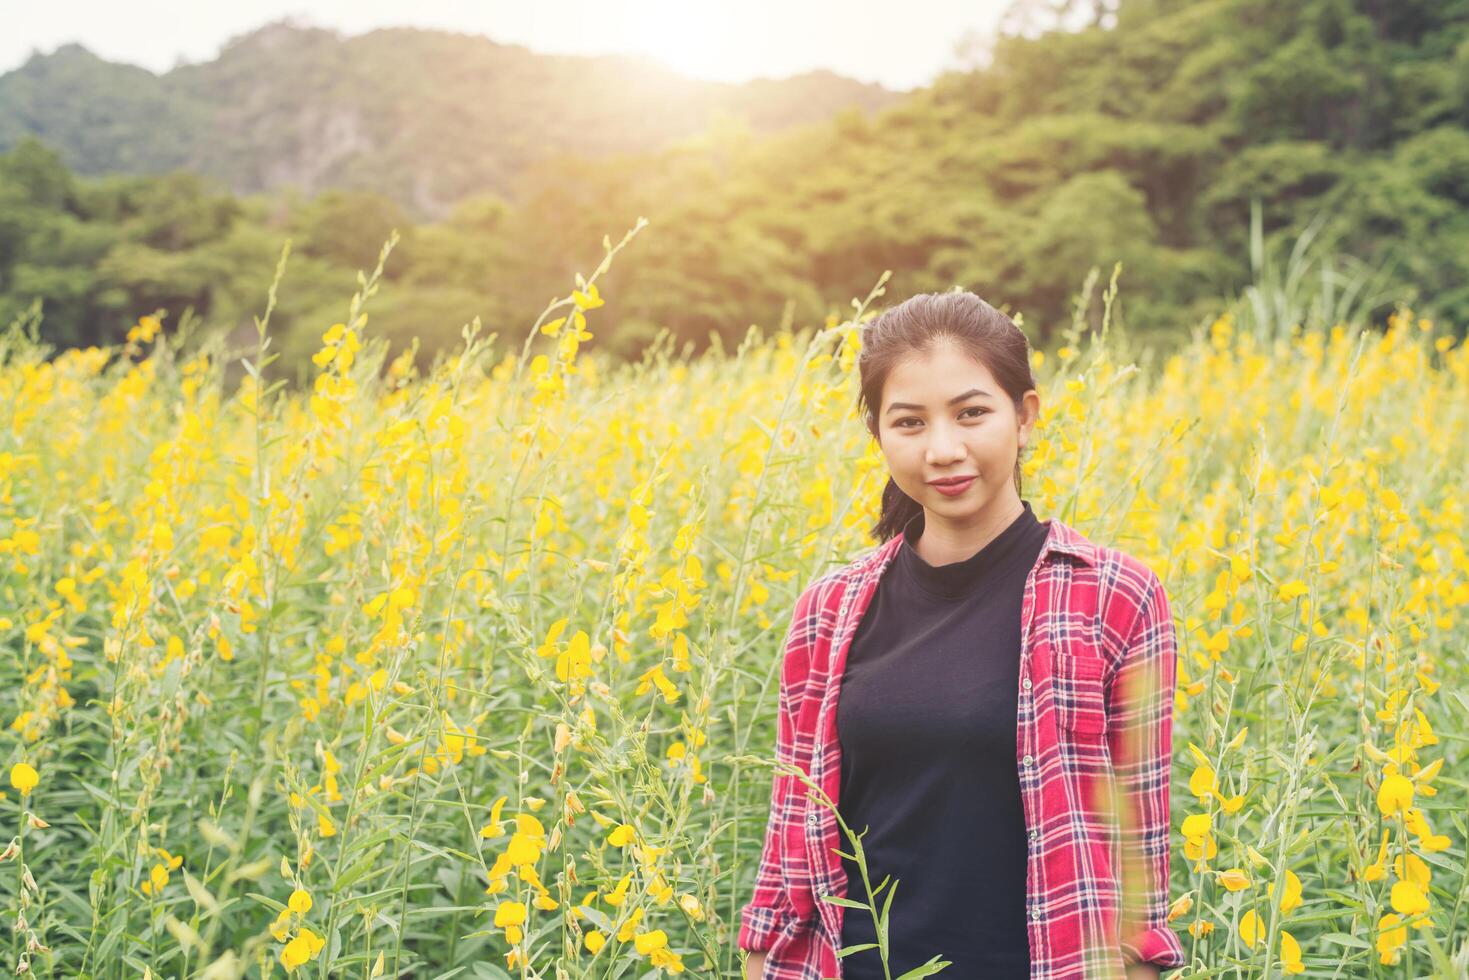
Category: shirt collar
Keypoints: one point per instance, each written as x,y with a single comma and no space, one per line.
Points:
1068,541
1061,538
962,577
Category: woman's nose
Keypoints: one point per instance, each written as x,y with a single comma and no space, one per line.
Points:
942,449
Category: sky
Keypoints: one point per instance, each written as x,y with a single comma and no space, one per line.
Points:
900,45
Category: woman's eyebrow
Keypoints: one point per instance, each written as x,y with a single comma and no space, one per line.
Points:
897,406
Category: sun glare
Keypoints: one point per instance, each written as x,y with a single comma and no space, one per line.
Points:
693,39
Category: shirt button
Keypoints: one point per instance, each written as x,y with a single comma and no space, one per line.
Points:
1025,683
1035,835
1027,760
1035,915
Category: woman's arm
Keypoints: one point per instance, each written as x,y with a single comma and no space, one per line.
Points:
770,909
1140,737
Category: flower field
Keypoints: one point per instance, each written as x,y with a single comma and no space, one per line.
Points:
472,672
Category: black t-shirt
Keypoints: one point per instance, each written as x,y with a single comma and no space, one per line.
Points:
927,723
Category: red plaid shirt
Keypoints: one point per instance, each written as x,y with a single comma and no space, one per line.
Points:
1093,753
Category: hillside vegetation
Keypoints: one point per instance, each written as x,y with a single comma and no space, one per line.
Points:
425,117
1144,144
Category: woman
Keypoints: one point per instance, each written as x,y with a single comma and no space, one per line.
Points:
988,695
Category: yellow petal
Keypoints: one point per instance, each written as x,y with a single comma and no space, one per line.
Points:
1234,879
1395,793
1408,899
1251,929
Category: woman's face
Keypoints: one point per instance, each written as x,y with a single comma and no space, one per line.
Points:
944,415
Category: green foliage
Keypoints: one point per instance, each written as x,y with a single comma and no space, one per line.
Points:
1146,143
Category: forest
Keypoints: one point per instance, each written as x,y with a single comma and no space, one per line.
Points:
1146,142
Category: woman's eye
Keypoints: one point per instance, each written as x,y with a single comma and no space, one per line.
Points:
977,410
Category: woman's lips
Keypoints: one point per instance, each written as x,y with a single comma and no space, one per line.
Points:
952,489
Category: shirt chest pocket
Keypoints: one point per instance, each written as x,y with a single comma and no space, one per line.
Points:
1079,690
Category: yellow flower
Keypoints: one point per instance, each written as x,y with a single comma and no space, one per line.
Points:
1234,879
1395,793
24,778
656,677
1199,844
1251,929
1238,740
1289,591
646,942
588,299
494,828
1203,783
299,902
660,890
523,848
281,927
510,916
666,959
629,926
595,940
1391,937
1230,804
1408,899
1415,870
576,660
1290,953
314,942
618,893
1417,825
1292,897
621,835
1197,826
157,880
296,953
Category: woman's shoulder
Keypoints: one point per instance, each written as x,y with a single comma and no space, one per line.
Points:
1128,586
825,589
834,581
1114,566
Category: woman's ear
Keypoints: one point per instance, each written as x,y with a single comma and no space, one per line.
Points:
1030,410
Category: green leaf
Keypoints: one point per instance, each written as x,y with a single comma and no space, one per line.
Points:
1342,939
926,970
357,870
849,950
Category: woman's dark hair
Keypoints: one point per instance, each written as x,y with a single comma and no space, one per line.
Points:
916,326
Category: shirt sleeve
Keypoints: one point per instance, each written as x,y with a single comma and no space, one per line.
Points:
1140,736
770,910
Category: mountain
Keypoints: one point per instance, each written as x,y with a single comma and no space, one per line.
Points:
1147,146
425,117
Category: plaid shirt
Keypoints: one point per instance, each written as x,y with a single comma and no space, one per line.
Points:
1093,754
